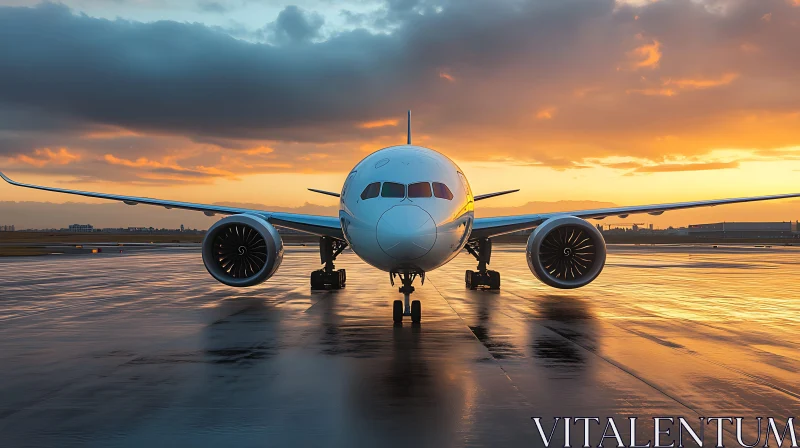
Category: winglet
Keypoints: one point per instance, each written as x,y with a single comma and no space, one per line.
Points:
408,140
5,178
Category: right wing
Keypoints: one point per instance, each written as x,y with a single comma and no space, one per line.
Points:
480,197
489,227
313,224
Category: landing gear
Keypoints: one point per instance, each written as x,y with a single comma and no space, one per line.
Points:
328,277
406,307
482,251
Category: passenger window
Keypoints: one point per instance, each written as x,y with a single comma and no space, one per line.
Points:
372,191
440,190
419,190
393,190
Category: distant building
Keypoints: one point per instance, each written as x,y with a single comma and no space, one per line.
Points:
744,230
82,228
141,229
7,228
181,227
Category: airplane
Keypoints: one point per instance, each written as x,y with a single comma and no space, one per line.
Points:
406,210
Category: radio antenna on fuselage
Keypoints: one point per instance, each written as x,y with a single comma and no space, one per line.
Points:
408,140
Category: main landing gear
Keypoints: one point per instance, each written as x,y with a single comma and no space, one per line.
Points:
328,277
482,251
399,308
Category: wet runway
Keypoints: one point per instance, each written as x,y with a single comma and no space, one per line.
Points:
147,349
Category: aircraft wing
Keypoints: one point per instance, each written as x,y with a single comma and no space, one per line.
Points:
316,225
489,227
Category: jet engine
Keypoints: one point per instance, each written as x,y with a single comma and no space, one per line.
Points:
566,252
242,250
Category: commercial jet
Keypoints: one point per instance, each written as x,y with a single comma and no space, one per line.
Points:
406,210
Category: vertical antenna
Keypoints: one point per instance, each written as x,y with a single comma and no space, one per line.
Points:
408,140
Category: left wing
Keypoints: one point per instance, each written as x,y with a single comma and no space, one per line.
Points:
317,225
489,227
329,193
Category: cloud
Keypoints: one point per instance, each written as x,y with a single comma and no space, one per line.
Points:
653,92
167,170
295,25
46,156
379,123
623,165
646,56
212,6
202,97
674,167
546,113
702,83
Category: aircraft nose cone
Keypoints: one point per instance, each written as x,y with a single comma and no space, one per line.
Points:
406,232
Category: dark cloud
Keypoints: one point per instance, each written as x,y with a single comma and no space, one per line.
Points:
549,81
295,25
212,6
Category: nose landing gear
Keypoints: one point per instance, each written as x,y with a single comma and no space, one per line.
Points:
406,307
328,277
482,251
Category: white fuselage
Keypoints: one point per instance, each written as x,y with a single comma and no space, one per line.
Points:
408,229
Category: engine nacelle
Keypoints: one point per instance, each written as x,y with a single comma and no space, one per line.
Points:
242,250
566,252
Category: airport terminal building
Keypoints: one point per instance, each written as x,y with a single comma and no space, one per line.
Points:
745,230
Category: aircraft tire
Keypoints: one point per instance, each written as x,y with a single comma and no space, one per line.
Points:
416,311
397,311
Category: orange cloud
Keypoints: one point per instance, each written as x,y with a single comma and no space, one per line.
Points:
109,133
315,156
702,83
258,150
138,163
446,76
767,17
46,156
168,169
623,165
653,92
646,56
671,87
546,114
379,123
675,167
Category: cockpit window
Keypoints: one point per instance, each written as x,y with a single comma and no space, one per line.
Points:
419,190
372,191
441,191
393,190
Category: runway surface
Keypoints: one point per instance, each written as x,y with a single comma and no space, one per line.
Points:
147,350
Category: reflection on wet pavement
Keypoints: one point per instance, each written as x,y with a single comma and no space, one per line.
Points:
109,351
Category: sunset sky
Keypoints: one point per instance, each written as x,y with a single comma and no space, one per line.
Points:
253,101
